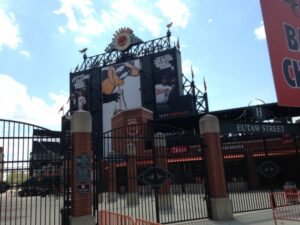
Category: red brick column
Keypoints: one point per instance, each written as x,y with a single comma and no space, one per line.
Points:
221,206
132,193
165,198
81,128
252,180
112,182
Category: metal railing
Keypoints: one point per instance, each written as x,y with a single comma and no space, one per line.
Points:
30,174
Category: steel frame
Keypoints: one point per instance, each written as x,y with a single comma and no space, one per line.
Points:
135,51
143,49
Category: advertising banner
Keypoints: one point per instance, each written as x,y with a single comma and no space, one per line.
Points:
121,89
167,90
79,91
282,25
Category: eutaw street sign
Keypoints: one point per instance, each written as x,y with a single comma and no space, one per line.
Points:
259,128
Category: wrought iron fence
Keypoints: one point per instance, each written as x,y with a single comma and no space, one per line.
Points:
30,174
255,166
155,172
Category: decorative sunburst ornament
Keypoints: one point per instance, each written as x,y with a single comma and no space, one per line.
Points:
122,40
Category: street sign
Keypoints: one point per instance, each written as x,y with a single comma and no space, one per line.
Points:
117,158
259,128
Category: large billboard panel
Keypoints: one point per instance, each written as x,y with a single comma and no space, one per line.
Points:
282,25
121,89
153,82
166,70
79,91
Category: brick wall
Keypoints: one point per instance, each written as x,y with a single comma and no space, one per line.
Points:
81,201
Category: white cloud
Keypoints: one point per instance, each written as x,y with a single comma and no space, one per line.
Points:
9,30
81,17
81,40
91,26
260,32
61,29
139,12
17,104
176,11
25,53
210,20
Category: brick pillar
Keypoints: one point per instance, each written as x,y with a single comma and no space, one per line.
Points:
165,198
221,205
252,176
132,193
112,182
81,128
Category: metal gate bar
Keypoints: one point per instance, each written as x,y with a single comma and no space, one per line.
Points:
126,157
256,166
30,168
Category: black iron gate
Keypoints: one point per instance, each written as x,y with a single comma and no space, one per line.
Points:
150,171
31,175
256,165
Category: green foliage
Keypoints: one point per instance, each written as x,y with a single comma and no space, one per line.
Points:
17,177
4,186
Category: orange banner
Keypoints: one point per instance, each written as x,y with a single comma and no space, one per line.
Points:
282,25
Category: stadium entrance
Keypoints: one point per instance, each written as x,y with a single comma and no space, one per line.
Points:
152,171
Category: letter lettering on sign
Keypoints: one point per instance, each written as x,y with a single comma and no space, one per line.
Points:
256,128
239,127
297,72
291,37
287,67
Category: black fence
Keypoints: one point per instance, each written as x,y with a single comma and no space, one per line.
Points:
255,166
31,175
153,172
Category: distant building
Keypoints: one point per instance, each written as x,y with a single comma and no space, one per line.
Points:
45,157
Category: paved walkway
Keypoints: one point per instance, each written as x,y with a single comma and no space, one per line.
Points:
263,217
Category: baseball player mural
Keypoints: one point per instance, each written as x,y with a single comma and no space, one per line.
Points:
166,82
79,89
120,89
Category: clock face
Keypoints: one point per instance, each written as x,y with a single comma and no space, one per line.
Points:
122,41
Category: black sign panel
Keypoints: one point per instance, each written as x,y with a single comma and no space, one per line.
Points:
82,168
259,113
259,128
168,85
83,188
117,158
79,91
154,176
268,169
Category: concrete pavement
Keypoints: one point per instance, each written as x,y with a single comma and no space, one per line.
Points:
263,217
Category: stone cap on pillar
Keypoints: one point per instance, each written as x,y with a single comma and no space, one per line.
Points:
209,124
81,122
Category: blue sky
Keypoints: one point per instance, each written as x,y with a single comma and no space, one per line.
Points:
224,41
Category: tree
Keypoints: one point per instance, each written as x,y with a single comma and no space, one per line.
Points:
17,177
